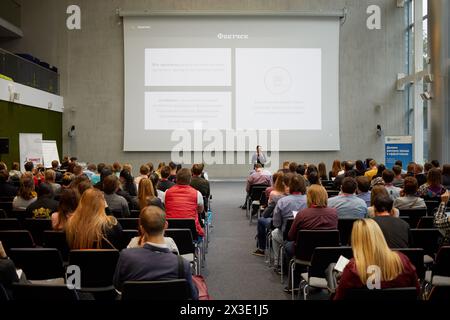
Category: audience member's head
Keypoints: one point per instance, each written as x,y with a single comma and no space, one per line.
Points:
293,167
359,165
335,168
348,166
77,170
381,167
117,167
4,175
44,190
388,176
26,189
150,167
418,169
434,177
313,178
126,177
411,168
92,167
363,184
100,167
160,166
29,166
105,173
71,166
67,179
397,170
301,169
372,164
68,202
410,186
146,192
173,166
145,170
50,176
435,163
128,167
297,184
15,166
165,172
399,163
446,170
258,167
322,170
350,173
376,191
55,164
82,186
73,159
3,166
197,169
285,165
110,184
427,167
184,176
382,204
316,196
349,185
152,221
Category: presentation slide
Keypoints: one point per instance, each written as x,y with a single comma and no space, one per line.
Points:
279,88
187,110
187,67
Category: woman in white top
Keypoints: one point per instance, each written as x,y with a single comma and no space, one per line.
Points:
26,194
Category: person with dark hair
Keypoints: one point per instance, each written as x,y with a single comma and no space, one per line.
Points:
446,175
419,174
173,172
359,168
144,171
395,230
258,177
322,171
399,163
335,168
388,178
26,194
117,204
28,166
6,188
45,205
293,167
294,202
433,188
408,196
301,170
96,177
183,201
348,205
199,183
68,202
127,183
348,172
165,183
258,157
435,164
362,190
153,261
313,178
103,174
154,178
398,179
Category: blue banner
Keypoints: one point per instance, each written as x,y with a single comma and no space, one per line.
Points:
398,148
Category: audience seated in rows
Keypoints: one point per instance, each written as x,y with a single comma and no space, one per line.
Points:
45,205
388,178
258,177
90,227
408,196
370,249
398,177
372,171
199,183
26,194
68,202
433,188
183,201
362,190
50,178
127,183
348,205
376,191
117,204
335,168
6,188
144,172
154,260
173,172
147,195
165,183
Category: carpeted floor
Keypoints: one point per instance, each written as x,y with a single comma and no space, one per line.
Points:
232,272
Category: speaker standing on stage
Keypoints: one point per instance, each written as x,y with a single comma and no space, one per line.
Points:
258,156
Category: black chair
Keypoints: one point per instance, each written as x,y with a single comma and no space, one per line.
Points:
345,227
40,292
389,294
253,199
38,263
431,206
415,255
438,293
37,228
441,268
426,223
3,214
16,239
10,224
6,205
186,246
4,296
307,241
332,193
19,214
56,239
321,259
177,289
414,215
327,184
97,268
406,219
127,235
288,226
129,223
184,224
428,240
135,213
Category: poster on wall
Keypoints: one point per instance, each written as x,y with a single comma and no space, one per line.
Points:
49,152
398,148
30,145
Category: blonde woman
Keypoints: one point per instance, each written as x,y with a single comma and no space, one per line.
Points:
370,249
90,227
146,195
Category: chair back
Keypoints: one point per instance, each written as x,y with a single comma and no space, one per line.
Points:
135,213
56,239
414,215
256,191
38,263
97,267
176,289
431,206
3,214
129,223
184,224
4,296
289,223
127,235
16,239
442,265
415,256
426,223
37,228
323,256
308,240
10,224
6,205
332,193
345,227
389,294
427,239
41,292
183,240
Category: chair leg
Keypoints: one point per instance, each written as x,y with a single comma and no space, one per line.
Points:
305,291
280,261
292,279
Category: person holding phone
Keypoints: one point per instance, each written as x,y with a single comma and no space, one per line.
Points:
258,156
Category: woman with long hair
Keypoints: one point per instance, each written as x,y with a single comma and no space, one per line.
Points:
335,168
90,227
127,182
433,188
279,188
68,202
26,194
147,196
371,250
322,171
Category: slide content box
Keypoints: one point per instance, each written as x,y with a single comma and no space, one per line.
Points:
188,67
279,88
187,110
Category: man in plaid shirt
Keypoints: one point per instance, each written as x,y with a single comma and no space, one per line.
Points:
441,220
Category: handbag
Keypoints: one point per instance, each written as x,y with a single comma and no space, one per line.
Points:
200,283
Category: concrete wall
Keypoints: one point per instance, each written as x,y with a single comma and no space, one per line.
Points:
91,66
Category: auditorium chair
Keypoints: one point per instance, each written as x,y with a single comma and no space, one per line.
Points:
441,268
185,245
57,240
253,199
428,240
129,223
3,214
43,292
431,206
16,239
177,289
37,228
127,235
425,223
38,263
345,227
10,224
280,249
414,215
